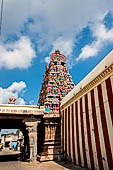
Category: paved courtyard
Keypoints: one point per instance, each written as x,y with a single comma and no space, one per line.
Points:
7,162
16,165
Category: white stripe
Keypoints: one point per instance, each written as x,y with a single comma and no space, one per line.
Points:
85,133
102,144
71,144
92,133
64,130
67,133
75,136
80,136
107,115
61,129
111,78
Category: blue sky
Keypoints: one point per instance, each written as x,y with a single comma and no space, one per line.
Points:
31,30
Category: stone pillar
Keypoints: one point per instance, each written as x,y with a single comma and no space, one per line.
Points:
31,127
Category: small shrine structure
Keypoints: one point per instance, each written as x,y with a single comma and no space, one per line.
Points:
12,100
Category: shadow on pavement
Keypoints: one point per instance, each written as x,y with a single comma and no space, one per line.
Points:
6,158
70,166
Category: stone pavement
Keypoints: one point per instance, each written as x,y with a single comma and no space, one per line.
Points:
6,151
8,161
16,165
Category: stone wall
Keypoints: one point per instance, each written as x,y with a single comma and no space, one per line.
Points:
87,119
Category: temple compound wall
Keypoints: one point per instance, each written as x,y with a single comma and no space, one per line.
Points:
87,119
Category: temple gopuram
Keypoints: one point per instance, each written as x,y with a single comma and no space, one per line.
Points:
57,83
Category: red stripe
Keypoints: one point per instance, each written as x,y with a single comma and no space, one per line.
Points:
77,133
82,133
110,97
65,131
104,128
73,139
97,141
69,138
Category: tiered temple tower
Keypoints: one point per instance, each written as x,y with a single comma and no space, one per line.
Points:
57,82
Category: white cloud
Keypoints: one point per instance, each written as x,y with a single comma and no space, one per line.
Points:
57,15
89,51
31,102
17,55
15,90
47,59
20,101
65,18
65,46
52,19
102,36
102,33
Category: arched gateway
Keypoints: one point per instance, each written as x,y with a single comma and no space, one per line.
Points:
27,119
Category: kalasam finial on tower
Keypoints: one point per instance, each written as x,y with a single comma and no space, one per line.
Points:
57,51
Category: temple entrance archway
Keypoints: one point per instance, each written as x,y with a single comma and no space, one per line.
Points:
27,119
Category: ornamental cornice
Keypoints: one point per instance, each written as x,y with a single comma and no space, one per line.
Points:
21,106
102,76
21,110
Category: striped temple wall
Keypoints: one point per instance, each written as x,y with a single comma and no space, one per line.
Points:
87,119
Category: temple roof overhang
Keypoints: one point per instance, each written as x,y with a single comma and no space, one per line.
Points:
97,75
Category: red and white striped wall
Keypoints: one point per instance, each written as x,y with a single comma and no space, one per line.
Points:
87,128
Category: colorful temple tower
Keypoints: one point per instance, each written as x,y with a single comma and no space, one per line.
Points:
57,82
